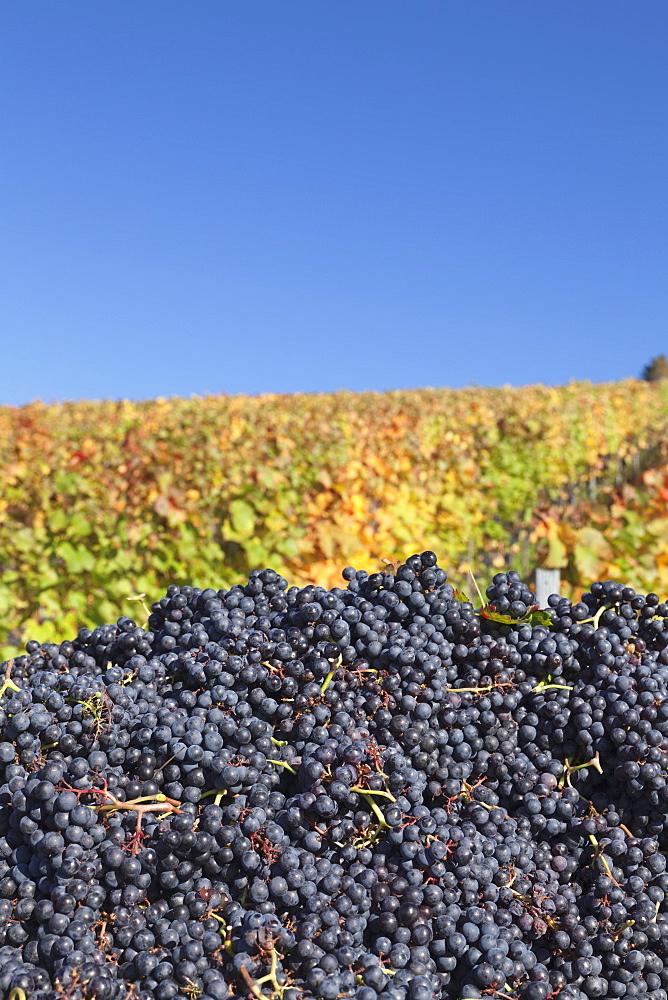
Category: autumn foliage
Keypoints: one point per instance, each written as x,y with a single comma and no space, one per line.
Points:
100,501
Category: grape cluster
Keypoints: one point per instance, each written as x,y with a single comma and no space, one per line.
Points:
378,791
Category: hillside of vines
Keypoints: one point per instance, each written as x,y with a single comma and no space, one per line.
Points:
100,501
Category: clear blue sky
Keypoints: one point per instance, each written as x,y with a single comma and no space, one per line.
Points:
305,195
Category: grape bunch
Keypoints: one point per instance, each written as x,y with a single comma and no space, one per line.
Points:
381,791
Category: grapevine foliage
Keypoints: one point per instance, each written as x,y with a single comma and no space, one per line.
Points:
101,501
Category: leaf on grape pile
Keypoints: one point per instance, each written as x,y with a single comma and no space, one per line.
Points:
533,617
490,612
536,617
460,596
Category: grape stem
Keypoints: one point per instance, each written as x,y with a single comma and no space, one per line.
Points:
475,584
328,680
545,686
225,931
373,791
141,598
141,805
254,985
366,794
478,690
625,926
596,618
281,763
569,769
219,795
599,854
8,683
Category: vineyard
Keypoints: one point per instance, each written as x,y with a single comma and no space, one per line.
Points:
102,501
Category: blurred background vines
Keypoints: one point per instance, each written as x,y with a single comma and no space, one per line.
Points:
100,501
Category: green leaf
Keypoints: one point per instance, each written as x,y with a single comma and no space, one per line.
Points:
492,615
66,482
540,618
78,526
460,596
76,560
57,519
287,547
533,617
255,554
242,518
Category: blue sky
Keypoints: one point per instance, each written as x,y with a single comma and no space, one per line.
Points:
260,196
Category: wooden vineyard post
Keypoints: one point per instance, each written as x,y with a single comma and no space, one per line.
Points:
548,581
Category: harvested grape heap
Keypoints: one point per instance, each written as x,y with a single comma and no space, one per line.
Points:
382,791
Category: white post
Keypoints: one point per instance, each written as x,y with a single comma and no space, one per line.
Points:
548,581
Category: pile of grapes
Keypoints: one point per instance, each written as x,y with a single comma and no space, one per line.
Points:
383,790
